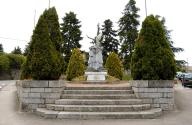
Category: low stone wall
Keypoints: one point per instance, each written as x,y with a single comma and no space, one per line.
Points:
36,94
158,93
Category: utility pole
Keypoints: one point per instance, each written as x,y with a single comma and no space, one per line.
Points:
49,3
34,18
146,7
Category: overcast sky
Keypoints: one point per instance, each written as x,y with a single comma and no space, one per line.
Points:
17,19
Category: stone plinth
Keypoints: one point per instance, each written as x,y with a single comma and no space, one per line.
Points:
96,76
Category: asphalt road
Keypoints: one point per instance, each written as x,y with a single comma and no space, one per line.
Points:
9,114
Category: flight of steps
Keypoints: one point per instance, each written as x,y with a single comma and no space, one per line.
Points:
98,102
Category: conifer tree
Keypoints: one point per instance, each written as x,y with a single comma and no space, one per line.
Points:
71,34
43,62
26,50
76,65
153,58
54,27
26,67
179,63
114,66
109,42
128,32
17,50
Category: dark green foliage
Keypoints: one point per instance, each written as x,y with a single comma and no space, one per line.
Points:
114,66
43,61
181,65
1,48
128,32
4,63
17,50
54,31
26,50
109,42
71,34
153,58
26,70
26,67
54,27
76,66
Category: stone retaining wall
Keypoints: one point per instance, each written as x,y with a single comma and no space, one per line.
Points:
158,93
35,94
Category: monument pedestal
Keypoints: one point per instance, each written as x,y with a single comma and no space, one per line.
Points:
96,76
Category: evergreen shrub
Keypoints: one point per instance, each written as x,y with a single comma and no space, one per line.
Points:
153,58
114,66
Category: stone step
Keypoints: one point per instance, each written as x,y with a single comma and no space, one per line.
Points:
93,96
98,88
98,102
98,92
98,108
147,114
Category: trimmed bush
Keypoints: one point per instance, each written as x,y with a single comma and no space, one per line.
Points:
76,66
11,61
153,58
4,63
16,60
114,66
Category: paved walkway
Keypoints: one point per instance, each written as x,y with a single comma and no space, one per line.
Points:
9,114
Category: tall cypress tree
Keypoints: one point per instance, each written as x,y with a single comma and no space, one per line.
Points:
153,58
71,34
43,62
128,32
109,42
54,27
